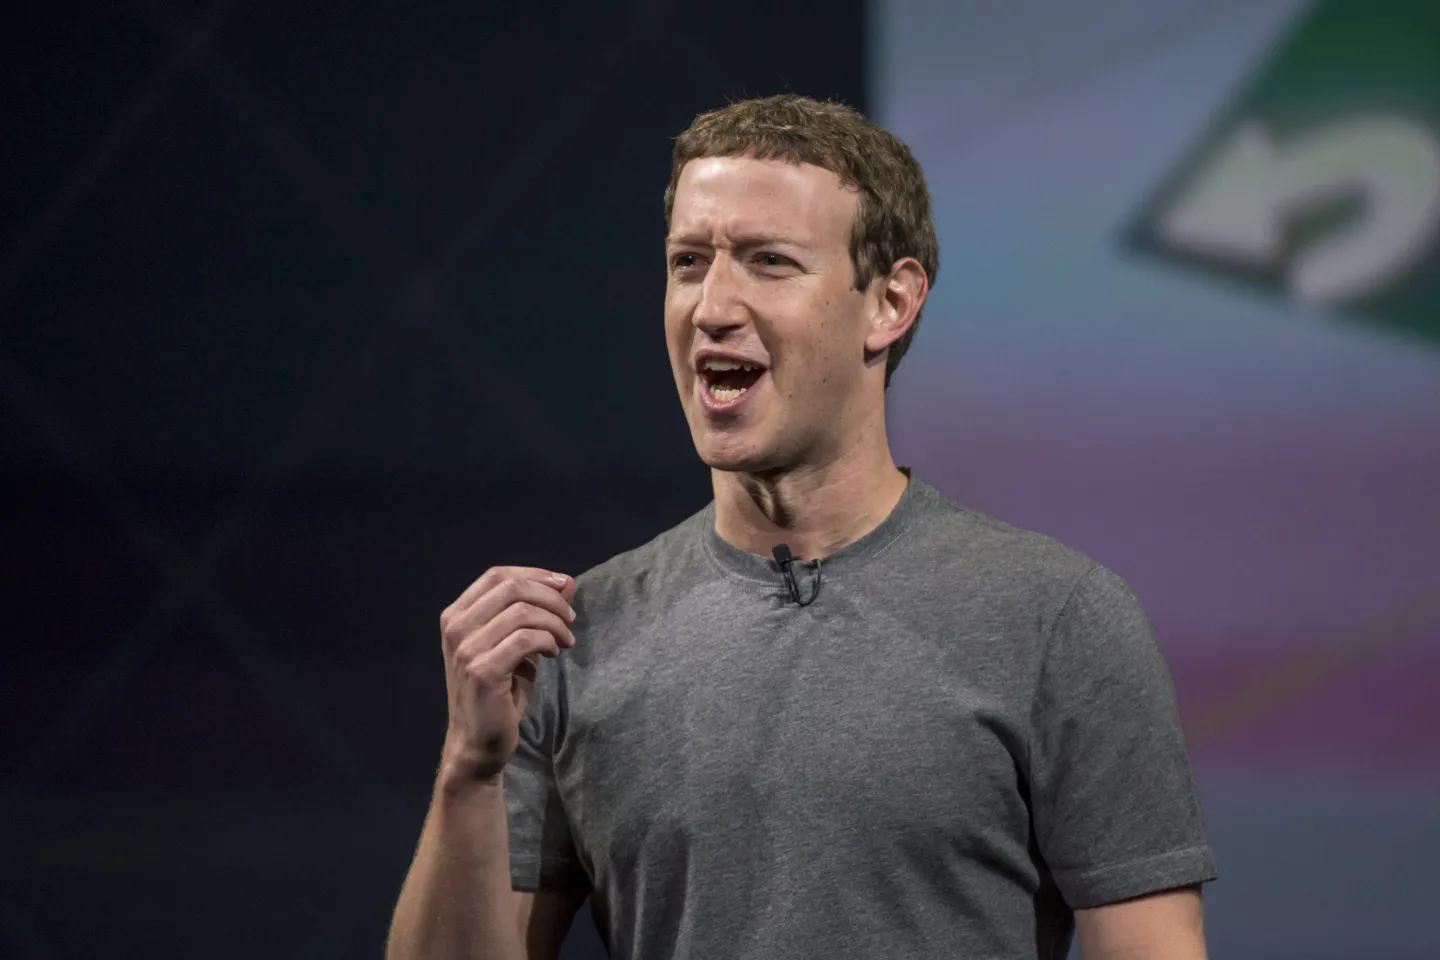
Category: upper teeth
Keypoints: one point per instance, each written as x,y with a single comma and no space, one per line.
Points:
715,363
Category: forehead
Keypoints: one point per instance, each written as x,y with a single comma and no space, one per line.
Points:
743,196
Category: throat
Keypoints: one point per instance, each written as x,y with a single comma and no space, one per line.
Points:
756,511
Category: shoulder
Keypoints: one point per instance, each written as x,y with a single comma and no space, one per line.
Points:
1077,617
972,551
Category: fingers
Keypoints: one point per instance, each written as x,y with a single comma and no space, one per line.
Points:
478,645
517,616
457,626
495,576
499,663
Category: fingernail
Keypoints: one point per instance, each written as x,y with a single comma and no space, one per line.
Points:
559,579
570,614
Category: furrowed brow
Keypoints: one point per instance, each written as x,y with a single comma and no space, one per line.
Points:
744,242
753,241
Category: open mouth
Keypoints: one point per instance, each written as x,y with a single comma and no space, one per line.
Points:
726,381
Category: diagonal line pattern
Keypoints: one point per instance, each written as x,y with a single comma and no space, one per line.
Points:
229,627
187,575
536,435
528,164
472,370
1299,676
498,389
351,225
190,46
187,579
103,682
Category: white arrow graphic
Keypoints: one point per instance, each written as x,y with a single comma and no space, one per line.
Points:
1239,205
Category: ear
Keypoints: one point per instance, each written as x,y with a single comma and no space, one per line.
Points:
899,297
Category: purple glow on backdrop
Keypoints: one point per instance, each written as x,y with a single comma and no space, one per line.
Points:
1268,478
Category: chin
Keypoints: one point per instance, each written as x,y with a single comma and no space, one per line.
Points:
729,462
723,453
754,458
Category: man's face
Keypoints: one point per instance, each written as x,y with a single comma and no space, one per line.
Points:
759,274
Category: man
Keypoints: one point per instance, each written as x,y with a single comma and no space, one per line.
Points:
936,736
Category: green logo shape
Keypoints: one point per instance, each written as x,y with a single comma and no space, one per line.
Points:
1321,182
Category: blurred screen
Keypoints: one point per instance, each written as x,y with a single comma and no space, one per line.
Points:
1187,320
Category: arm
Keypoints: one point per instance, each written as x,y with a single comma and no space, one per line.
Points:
1162,926
457,901
1116,811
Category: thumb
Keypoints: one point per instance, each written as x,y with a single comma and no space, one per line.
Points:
522,682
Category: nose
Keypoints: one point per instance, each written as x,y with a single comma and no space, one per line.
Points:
721,308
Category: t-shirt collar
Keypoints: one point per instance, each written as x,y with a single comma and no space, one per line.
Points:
751,566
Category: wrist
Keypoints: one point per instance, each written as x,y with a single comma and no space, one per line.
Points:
461,771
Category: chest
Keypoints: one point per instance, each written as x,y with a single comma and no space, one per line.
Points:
793,726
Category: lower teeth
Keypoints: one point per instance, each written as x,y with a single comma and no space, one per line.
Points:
726,394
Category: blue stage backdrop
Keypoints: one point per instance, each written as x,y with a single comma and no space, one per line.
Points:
1188,320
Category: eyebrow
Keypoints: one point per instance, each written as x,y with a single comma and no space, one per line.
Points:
744,242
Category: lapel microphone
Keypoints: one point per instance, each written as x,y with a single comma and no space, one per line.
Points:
785,561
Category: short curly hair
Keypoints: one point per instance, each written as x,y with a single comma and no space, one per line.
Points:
894,220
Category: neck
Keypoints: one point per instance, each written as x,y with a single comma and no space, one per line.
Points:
815,509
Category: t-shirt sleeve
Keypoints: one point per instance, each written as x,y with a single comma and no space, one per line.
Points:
542,851
1116,811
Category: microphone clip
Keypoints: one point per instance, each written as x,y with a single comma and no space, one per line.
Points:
785,561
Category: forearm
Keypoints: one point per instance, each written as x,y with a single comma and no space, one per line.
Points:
1161,926
457,901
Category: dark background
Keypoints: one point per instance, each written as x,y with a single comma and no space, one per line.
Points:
308,314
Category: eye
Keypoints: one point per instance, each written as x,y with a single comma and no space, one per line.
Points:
773,260
683,261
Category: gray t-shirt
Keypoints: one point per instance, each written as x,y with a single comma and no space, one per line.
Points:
968,734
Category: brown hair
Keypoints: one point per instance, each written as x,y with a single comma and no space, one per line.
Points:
894,218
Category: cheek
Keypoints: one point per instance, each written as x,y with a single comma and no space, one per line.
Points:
676,324
677,344
832,344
